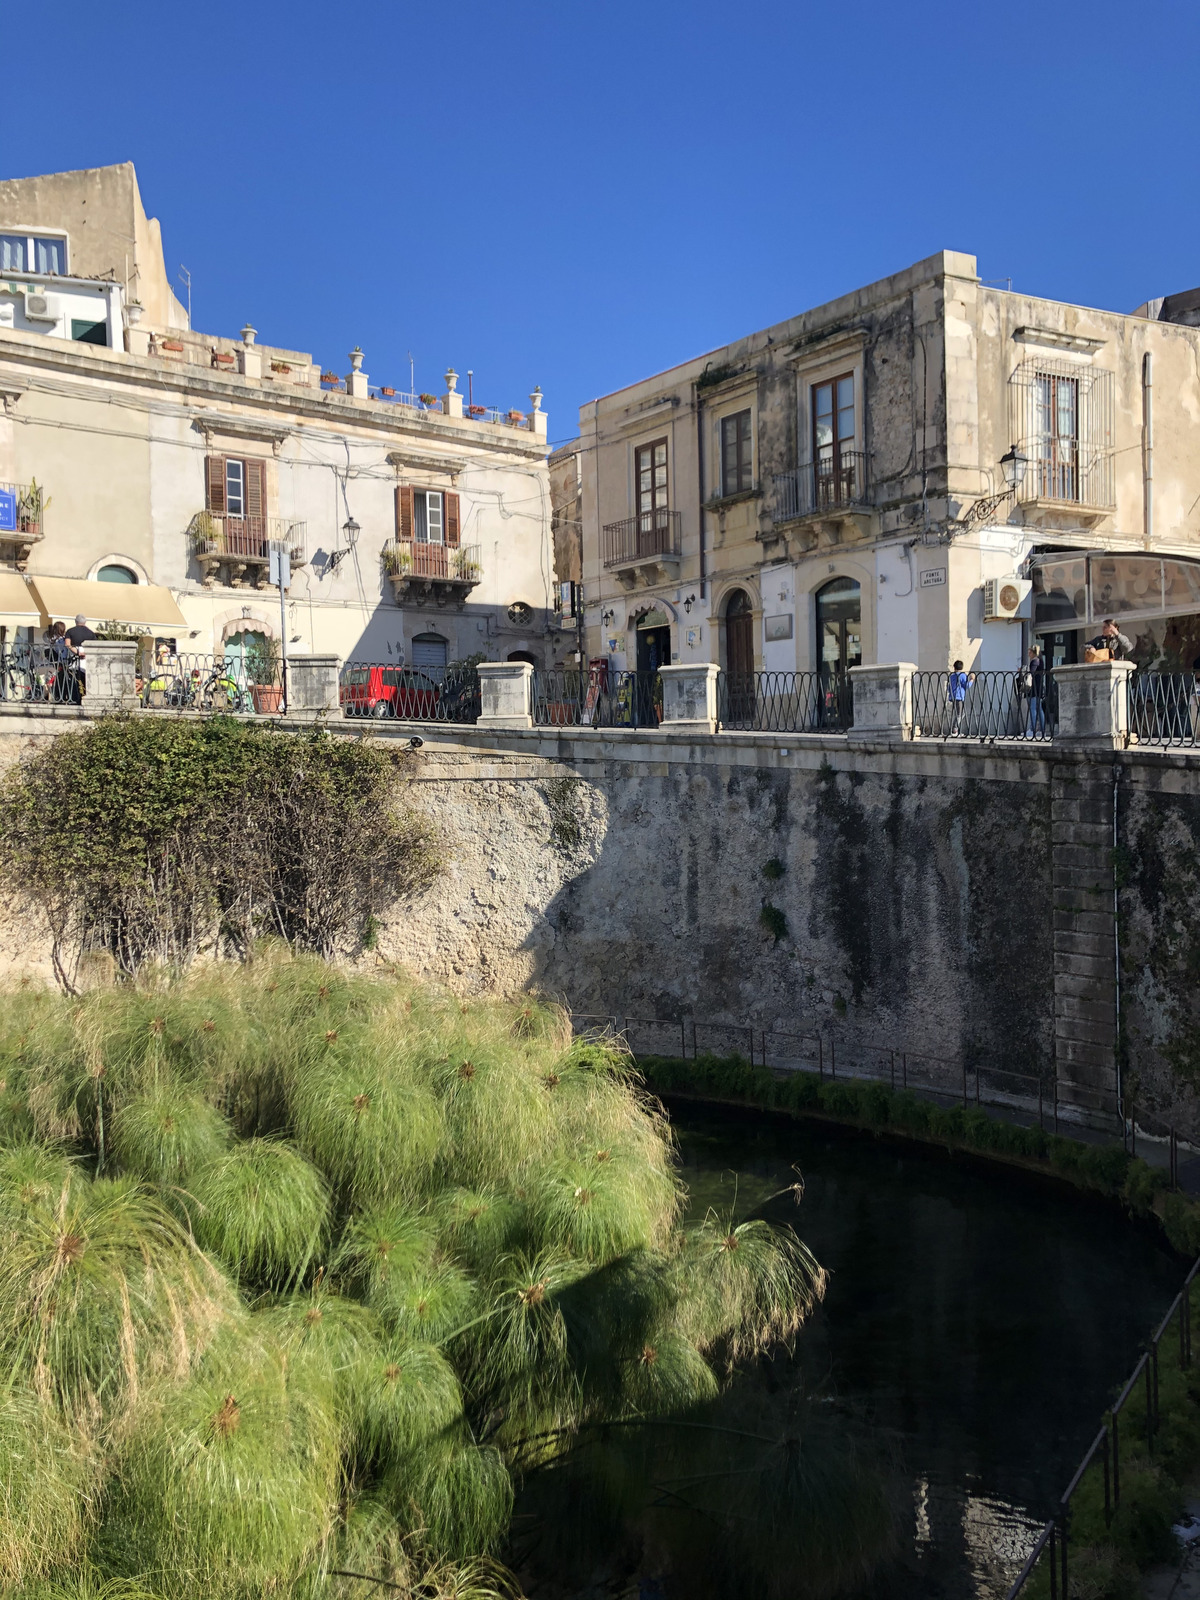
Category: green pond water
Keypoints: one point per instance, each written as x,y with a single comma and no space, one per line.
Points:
934,1408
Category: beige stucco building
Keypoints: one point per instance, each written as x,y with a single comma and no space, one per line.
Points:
138,452
831,490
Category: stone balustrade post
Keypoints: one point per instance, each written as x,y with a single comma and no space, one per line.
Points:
883,701
110,674
690,697
312,686
506,694
1093,704
357,382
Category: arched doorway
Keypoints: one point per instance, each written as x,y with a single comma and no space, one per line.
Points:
653,634
839,643
740,698
250,657
524,655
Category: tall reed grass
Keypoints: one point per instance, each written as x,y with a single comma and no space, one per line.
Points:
300,1269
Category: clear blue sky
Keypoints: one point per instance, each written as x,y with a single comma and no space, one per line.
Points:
578,196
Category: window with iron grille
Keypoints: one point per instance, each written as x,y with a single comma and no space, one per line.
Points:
650,479
737,454
1061,417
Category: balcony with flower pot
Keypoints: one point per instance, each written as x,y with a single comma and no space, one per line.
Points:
237,550
420,572
22,508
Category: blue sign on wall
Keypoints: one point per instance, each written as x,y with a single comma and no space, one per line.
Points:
8,511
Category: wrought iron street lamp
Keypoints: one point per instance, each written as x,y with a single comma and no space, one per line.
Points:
1014,466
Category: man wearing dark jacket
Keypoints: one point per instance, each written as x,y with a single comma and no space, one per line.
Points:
1111,638
76,638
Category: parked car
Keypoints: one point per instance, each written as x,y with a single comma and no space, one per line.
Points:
388,692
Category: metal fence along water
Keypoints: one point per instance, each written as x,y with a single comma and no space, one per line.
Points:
387,692
983,705
784,702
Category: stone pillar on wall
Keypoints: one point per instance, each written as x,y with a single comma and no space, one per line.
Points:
882,701
1093,704
506,693
110,667
312,686
690,697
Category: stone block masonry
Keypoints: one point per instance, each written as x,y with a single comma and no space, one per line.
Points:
937,898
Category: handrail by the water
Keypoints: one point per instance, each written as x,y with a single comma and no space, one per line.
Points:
1056,1535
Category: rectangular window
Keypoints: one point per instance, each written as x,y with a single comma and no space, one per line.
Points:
49,255
427,517
235,488
87,332
650,477
12,253
737,454
834,457
1056,436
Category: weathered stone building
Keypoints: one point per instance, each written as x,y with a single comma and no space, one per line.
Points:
147,468
832,490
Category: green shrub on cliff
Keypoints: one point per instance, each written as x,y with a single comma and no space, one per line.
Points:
298,1270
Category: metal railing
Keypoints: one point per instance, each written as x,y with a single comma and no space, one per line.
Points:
247,539
1104,1452
413,558
596,698
987,705
827,484
197,682
387,692
21,512
401,397
652,533
1164,708
784,702
41,674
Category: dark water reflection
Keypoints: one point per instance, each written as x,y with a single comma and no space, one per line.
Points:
978,1320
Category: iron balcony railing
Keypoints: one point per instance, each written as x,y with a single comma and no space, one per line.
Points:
831,483
223,538
1164,708
387,692
21,506
596,698
651,533
984,705
412,558
187,681
784,702
44,674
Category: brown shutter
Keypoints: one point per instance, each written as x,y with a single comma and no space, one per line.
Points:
450,510
256,491
404,512
216,484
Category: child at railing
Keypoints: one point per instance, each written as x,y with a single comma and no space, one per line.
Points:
956,694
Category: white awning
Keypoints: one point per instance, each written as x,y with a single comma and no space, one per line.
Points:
18,603
139,604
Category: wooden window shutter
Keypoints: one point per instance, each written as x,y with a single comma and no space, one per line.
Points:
256,490
404,512
215,466
450,505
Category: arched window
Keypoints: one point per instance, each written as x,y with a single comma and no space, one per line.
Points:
839,627
116,574
739,634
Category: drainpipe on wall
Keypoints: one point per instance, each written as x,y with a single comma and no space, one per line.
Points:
700,480
1148,451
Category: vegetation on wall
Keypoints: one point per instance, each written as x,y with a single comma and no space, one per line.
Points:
1103,1169
151,839
298,1271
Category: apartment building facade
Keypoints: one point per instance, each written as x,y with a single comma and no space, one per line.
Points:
147,470
835,490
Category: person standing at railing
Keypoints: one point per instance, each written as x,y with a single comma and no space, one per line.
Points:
76,638
956,694
1031,687
1110,638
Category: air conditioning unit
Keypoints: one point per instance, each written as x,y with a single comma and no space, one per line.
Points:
38,308
1003,598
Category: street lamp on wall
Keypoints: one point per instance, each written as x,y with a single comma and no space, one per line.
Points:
689,603
1014,465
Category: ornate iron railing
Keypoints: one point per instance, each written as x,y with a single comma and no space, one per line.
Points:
1164,708
390,693
596,698
983,705
784,702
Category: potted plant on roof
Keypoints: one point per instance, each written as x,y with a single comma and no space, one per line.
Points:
427,399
